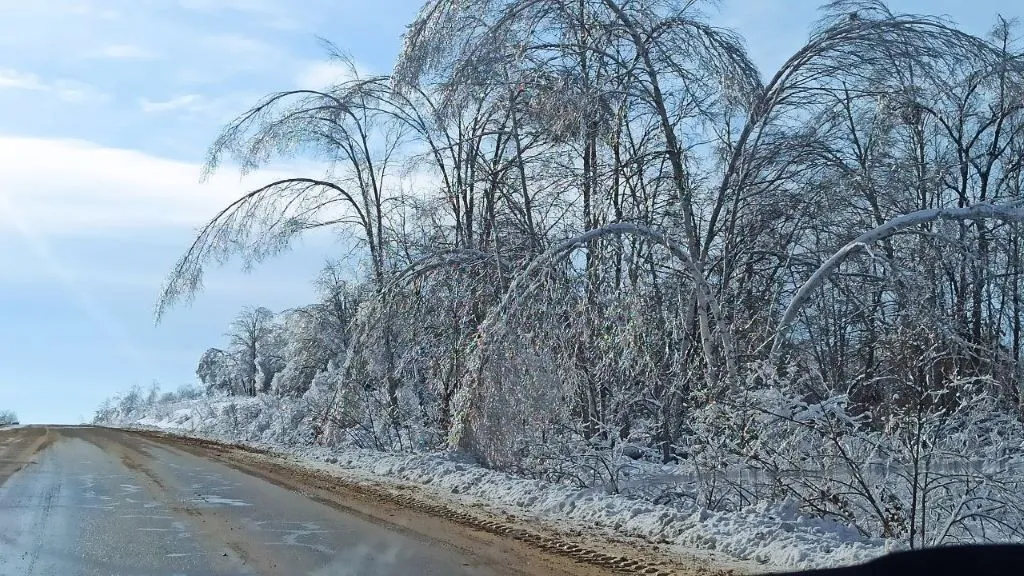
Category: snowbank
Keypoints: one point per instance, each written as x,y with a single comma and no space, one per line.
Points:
778,537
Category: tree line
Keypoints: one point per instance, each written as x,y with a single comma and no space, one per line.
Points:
595,227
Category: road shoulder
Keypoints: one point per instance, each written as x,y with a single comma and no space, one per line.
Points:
416,508
19,447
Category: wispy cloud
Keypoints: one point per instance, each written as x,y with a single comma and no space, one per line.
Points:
322,73
92,10
270,13
257,6
122,52
66,90
100,191
237,46
74,91
208,112
186,101
16,80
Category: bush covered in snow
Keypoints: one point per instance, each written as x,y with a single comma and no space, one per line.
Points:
768,477
935,473
264,418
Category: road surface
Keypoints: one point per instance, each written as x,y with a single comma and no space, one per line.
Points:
84,501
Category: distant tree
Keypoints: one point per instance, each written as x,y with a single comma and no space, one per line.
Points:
153,392
313,336
218,372
8,417
305,351
130,402
252,332
270,355
339,301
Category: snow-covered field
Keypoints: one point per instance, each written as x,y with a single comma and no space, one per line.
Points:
769,536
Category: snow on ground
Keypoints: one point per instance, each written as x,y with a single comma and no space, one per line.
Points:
777,537
772,537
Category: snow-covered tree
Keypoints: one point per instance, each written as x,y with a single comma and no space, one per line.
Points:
590,229
254,343
219,371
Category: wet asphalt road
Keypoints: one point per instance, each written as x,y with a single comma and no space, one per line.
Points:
89,501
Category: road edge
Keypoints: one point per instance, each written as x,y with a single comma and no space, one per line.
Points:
577,547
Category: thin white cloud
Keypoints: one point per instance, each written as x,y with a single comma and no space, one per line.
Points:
72,187
92,10
323,73
75,92
212,111
67,90
254,6
231,53
122,52
241,46
272,13
187,101
14,79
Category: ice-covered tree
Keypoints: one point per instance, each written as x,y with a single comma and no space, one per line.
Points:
254,342
593,228
219,371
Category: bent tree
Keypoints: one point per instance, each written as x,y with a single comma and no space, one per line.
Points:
342,127
587,225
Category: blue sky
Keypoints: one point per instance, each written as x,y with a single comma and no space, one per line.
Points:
106,110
